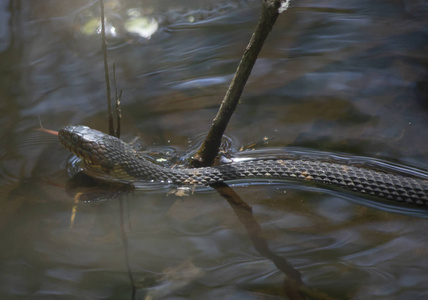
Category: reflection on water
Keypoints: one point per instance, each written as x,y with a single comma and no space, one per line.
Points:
339,78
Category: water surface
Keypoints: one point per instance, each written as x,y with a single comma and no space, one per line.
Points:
347,79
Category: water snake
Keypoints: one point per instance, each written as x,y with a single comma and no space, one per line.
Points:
111,159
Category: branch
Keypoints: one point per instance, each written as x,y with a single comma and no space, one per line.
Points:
111,130
106,72
209,149
117,97
292,284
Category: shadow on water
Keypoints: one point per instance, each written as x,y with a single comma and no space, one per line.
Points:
334,77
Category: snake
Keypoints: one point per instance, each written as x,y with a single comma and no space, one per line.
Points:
111,159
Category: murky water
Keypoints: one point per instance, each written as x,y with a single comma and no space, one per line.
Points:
348,79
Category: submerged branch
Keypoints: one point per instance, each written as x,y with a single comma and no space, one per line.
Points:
293,285
209,149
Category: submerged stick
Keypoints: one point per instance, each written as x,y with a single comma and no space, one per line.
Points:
209,149
245,215
293,285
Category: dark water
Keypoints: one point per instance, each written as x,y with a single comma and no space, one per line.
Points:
344,78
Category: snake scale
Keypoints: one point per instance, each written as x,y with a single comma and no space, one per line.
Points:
109,158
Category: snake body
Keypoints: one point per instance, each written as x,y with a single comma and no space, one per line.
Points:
111,159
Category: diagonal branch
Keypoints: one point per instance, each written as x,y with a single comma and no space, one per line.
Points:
209,149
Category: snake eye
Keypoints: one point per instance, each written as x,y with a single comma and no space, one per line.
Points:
74,139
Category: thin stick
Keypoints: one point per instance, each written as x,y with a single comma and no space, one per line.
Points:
118,97
106,72
209,149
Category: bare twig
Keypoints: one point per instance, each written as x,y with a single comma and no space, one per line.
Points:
112,130
209,149
117,97
106,71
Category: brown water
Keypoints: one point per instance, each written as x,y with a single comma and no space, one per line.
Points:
349,79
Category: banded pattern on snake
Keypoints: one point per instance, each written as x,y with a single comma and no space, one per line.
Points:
111,159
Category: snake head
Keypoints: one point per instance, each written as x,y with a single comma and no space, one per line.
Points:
88,144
